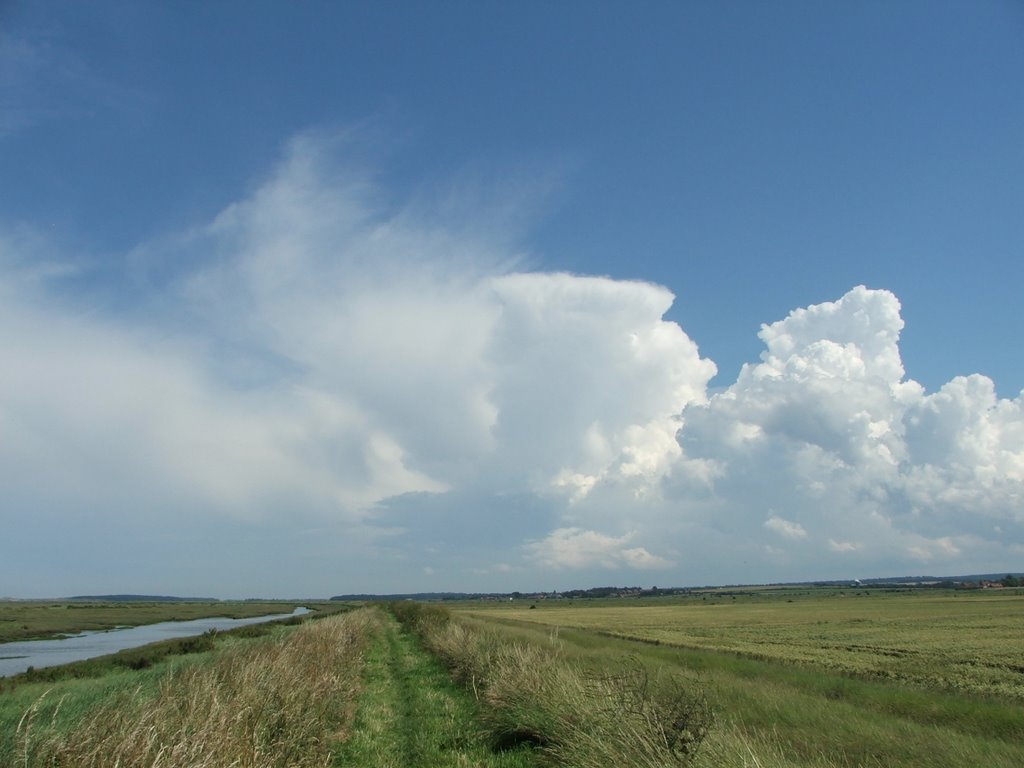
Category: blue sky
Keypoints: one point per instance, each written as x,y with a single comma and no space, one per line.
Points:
312,298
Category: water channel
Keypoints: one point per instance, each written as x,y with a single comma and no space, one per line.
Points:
18,657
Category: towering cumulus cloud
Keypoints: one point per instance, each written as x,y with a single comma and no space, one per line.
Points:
828,448
312,360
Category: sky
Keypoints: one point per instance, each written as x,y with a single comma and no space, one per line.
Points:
303,299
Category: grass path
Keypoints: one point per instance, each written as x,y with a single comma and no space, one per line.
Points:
411,714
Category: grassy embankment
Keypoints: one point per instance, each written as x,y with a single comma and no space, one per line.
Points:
284,699
357,690
566,711
928,679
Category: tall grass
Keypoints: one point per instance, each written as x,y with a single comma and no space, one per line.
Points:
775,715
277,701
574,715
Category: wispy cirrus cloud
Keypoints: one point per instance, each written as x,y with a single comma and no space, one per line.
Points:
41,81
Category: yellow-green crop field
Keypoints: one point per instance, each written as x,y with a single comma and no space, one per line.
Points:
960,641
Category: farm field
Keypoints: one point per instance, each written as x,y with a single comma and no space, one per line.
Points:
820,678
967,641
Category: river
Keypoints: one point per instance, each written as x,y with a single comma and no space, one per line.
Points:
18,657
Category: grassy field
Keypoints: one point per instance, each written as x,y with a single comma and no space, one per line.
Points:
27,620
959,641
763,679
820,679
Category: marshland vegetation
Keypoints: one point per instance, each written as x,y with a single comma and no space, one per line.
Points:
814,678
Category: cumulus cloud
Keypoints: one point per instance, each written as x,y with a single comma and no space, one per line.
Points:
964,449
592,358
315,358
785,528
313,353
827,426
577,548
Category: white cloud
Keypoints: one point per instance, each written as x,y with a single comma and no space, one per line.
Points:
827,426
785,528
842,546
575,548
966,451
312,354
641,559
318,356
587,365
927,550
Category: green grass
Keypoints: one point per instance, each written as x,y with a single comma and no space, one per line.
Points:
962,642
279,700
805,679
55,698
411,713
780,706
571,712
36,711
